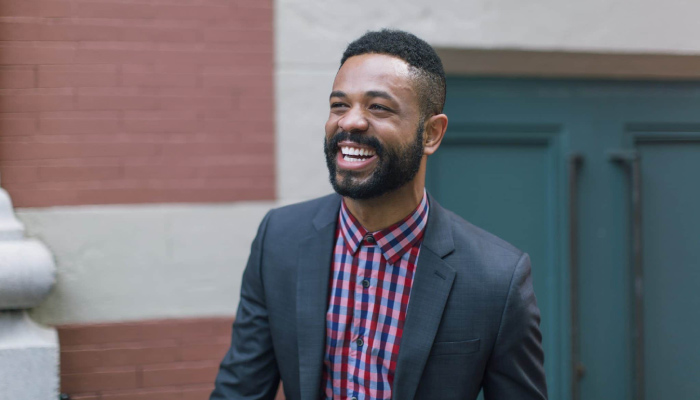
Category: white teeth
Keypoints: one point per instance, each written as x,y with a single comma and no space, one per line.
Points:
354,151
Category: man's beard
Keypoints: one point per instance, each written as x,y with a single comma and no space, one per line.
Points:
395,166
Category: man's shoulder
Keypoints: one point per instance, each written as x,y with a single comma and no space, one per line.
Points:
468,235
480,256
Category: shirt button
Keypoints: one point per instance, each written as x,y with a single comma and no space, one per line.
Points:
353,398
370,239
359,342
365,283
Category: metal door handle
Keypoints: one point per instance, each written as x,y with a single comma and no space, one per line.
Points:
630,159
577,369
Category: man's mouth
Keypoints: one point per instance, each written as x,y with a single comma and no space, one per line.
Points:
356,154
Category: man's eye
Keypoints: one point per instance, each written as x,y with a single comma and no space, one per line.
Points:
337,105
379,107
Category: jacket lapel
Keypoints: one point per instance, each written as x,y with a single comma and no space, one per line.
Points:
314,265
431,287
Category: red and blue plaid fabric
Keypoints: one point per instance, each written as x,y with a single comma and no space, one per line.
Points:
372,276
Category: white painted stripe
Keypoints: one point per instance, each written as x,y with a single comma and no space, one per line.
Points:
134,262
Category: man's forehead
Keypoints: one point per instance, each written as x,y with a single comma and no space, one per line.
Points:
375,68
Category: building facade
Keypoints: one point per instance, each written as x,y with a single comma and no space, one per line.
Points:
144,140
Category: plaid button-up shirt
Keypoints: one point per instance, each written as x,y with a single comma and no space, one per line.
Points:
371,280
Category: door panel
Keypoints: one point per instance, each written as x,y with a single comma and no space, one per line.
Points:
670,198
502,166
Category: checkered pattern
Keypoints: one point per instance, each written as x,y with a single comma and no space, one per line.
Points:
370,287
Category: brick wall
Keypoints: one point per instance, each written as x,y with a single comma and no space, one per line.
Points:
136,101
147,360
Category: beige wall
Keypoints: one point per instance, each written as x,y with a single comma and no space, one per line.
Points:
120,263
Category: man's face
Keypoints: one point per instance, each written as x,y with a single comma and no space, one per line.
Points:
374,133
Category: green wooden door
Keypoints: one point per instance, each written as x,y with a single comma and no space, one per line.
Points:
504,165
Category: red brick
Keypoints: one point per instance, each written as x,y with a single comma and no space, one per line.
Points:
199,328
227,104
112,85
162,34
156,79
115,99
80,360
27,100
116,52
78,173
225,125
104,122
12,174
194,12
116,378
256,84
20,28
159,171
179,373
77,30
214,350
41,198
77,75
23,53
265,4
18,151
141,330
197,393
35,8
125,10
143,394
257,37
254,18
19,124
15,8
90,396
54,8
17,77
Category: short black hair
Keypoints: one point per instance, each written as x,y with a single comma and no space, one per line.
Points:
425,63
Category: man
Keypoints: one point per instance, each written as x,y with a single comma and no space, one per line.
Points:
381,293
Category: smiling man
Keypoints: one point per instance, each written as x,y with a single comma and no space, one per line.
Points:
377,292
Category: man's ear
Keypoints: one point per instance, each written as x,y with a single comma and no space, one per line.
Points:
435,128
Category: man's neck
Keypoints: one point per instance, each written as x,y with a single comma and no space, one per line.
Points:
383,211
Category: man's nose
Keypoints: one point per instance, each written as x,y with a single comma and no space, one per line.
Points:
353,120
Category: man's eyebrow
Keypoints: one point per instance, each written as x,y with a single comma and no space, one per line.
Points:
338,93
370,93
379,93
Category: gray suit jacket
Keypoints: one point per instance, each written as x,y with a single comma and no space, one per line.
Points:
472,318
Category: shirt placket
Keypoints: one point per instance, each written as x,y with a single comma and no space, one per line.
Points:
363,292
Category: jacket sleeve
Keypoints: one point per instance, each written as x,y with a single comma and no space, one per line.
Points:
515,369
249,368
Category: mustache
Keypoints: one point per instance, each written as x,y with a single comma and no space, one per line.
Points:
359,138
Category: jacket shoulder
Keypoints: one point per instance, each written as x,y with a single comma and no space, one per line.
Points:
482,246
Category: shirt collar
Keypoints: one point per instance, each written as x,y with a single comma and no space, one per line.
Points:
393,241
